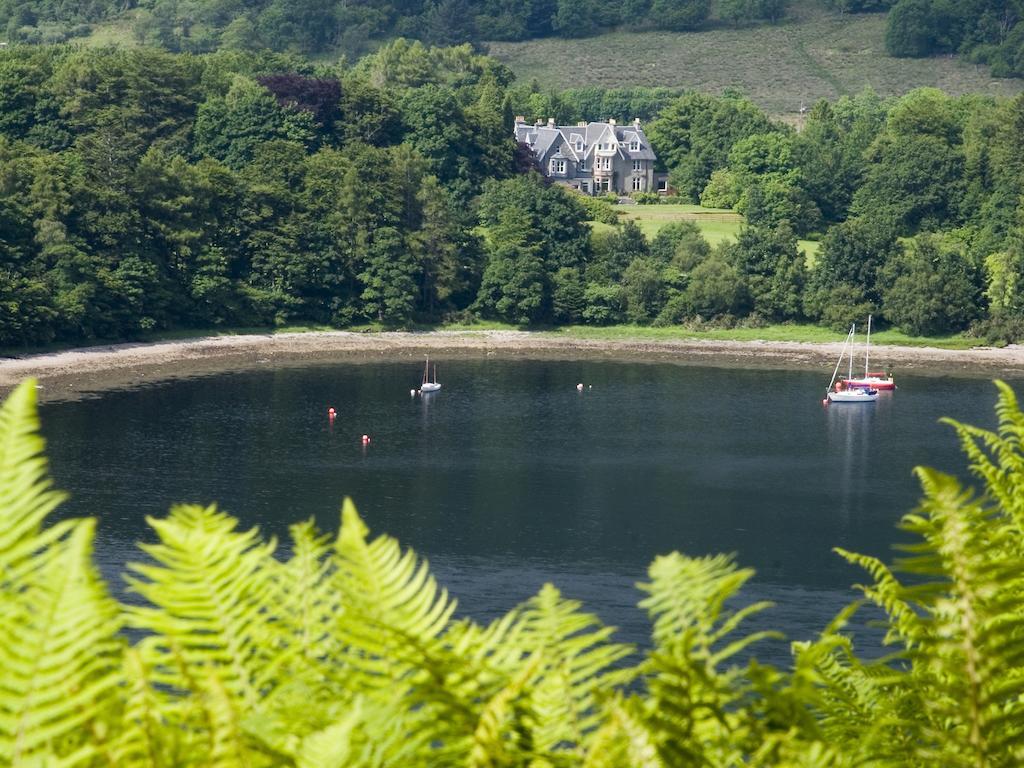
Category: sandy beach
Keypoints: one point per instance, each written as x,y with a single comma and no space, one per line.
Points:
89,369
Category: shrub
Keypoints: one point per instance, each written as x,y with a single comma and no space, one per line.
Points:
646,198
599,209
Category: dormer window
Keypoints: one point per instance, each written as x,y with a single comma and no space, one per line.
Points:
579,145
634,145
557,166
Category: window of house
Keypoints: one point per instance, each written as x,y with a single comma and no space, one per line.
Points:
583,164
557,166
579,146
638,183
663,185
638,165
605,163
634,145
585,187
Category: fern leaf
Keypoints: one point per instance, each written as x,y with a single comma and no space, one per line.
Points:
213,595
26,497
390,603
60,657
576,661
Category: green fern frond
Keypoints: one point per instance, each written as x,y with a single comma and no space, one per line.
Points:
310,601
624,740
332,746
576,660
501,736
26,496
686,600
60,658
389,599
213,597
142,740
59,651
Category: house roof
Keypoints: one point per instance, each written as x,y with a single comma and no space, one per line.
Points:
545,140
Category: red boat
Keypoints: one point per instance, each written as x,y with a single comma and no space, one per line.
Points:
873,380
870,380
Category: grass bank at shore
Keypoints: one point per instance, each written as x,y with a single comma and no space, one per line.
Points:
798,333
803,333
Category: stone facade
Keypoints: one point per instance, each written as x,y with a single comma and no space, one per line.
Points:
595,158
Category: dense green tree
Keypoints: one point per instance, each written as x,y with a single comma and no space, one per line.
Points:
918,28
604,303
644,290
616,250
773,270
533,232
514,285
679,15
680,244
916,167
716,287
567,301
844,283
930,287
694,134
232,128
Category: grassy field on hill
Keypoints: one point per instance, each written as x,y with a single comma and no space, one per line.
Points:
716,224
814,54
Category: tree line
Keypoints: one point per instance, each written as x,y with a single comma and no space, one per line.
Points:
357,27
142,191
984,31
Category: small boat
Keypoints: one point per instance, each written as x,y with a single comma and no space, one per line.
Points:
843,393
428,385
870,380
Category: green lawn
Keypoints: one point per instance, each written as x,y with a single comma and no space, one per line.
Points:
783,332
716,224
813,54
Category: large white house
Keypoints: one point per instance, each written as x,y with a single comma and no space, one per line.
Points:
594,158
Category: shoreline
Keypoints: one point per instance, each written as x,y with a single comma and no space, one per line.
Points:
90,369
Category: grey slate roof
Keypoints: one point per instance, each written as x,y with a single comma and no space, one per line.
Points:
543,138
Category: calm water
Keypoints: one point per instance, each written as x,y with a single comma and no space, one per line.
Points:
509,477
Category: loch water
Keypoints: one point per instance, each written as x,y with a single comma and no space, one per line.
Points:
510,477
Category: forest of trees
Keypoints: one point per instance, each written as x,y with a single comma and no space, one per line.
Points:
985,31
357,27
142,191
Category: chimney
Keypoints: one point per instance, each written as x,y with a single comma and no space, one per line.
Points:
520,119
551,122
538,123
581,124
636,122
611,121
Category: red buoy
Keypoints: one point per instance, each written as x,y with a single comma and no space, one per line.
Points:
366,439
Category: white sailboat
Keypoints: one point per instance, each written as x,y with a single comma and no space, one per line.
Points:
843,393
428,385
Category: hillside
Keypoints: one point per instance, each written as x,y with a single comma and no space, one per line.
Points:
813,55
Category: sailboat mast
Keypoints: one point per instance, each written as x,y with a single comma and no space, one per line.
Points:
840,360
867,348
853,329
